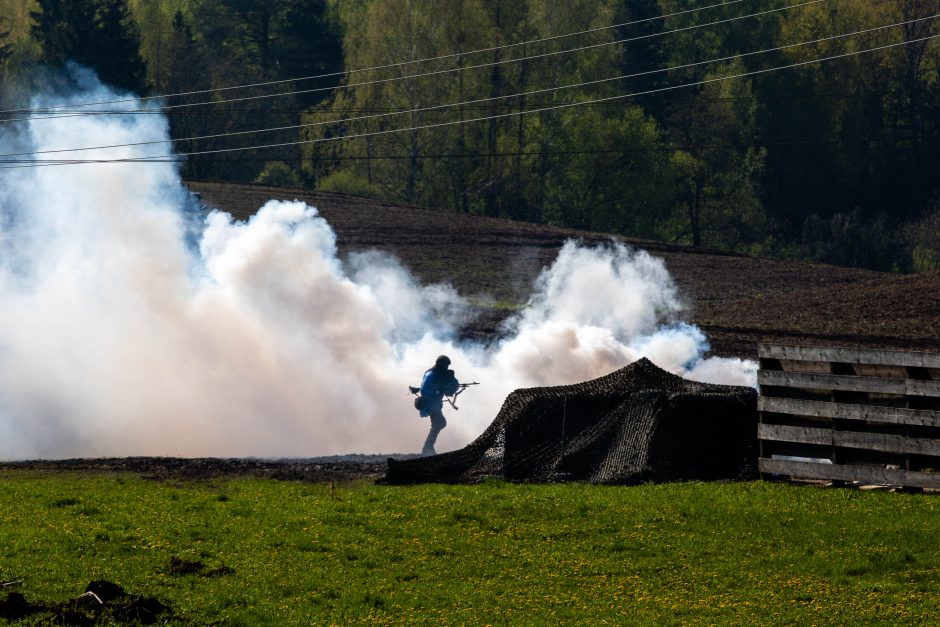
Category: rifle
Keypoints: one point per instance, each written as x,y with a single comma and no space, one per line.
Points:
460,389
452,399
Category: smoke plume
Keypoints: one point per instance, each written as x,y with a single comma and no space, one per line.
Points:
132,323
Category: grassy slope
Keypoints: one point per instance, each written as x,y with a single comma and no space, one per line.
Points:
496,553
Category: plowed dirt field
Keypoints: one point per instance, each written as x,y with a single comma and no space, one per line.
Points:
737,300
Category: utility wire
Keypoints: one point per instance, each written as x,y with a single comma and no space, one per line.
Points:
39,163
391,109
566,105
452,70
386,66
158,158
477,155
472,102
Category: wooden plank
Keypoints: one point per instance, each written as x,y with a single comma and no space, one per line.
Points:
846,383
872,370
916,387
784,433
820,367
862,474
845,411
851,355
842,383
900,444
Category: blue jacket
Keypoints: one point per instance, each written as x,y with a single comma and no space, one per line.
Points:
435,385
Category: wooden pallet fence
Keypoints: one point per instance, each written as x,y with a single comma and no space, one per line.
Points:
849,415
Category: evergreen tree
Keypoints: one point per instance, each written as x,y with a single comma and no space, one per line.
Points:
261,41
646,51
187,70
308,44
270,39
64,30
5,48
117,47
96,33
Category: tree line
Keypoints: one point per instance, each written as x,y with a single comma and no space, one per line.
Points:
680,128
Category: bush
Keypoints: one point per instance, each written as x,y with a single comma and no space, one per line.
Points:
345,182
278,174
923,238
851,239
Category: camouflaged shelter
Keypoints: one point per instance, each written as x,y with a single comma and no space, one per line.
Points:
634,425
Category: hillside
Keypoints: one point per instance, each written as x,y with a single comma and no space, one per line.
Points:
730,125
737,300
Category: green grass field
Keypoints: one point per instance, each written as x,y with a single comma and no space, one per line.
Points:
249,551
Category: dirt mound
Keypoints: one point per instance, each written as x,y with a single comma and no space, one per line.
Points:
103,603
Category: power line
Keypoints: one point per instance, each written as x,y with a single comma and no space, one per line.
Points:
477,155
564,106
155,158
295,127
499,62
39,163
374,109
386,66
450,70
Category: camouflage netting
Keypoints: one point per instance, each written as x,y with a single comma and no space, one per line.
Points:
637,424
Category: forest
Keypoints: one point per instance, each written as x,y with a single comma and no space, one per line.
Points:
801,129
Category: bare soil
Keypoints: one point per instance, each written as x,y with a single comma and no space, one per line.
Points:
739,301
103,602
338,469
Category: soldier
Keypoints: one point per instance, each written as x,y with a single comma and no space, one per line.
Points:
438,382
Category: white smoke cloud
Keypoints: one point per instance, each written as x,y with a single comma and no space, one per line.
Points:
118,337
